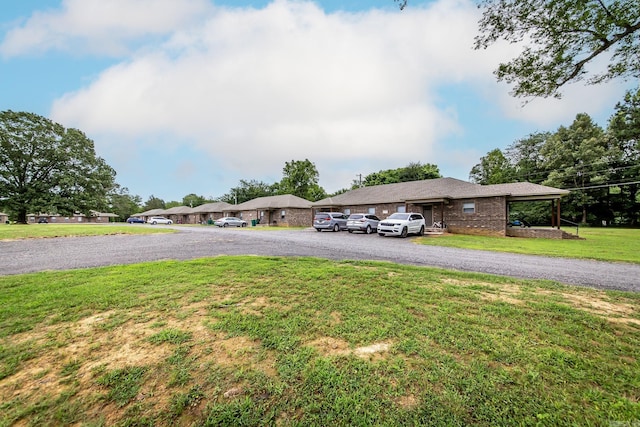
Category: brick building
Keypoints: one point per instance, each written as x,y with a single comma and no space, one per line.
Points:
465,207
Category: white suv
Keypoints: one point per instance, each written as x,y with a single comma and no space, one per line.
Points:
401,224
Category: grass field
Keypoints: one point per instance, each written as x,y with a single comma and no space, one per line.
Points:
299,341
36,231
605,244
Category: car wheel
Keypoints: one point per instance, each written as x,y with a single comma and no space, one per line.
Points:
421,233
336,227
381,234
404,232
350,231
153,223
318,230
368,230
225,225
244,225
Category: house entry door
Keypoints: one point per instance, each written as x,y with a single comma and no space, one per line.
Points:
427,213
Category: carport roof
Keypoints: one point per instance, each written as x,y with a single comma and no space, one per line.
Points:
439,189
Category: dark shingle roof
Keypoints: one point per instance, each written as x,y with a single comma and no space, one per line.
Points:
435,189
274,202
213,207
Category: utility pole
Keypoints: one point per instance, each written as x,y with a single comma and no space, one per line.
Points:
359,179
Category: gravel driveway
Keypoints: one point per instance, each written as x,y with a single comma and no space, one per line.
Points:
33,255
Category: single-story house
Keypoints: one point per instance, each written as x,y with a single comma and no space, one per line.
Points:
210,211
3,217
465,207
77,218
188,215
286,210
179,214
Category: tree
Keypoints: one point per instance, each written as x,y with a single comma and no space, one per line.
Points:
193,200
494,168
411,172
562,37
624,129
248,190
122,203
154,203
47,168
300,178
526,159
578,159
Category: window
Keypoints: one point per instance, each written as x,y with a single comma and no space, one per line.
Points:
372,211
469,208
347,211
401,208
282,213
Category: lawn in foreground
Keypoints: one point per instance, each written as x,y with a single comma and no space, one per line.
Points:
300,341
604,244
34,231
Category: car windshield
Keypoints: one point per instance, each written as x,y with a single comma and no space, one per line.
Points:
398,215
323,216
355,216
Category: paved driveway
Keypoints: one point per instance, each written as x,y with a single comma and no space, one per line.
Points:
194,242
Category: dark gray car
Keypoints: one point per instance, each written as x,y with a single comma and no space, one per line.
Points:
334,221
362,222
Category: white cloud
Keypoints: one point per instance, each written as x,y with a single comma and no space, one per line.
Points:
100,27
290,81
258,87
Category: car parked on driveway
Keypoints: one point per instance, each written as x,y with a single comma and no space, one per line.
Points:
402,224
334,221
362,222
159,220
230,221
135,220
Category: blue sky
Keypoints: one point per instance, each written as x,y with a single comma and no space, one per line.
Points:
191,96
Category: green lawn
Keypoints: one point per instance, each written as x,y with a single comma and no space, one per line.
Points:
310,342
605,244
34,231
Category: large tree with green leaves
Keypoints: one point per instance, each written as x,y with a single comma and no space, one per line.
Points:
560,38
300,178
47,168
624,129
122,203
414,171
494,168
578,158
248,190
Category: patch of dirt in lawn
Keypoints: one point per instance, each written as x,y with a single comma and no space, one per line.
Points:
70,357
495,292
617,312
329,346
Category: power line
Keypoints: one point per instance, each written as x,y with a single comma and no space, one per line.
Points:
619,184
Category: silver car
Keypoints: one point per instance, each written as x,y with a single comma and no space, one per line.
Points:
334,221
401,224
159,220
362,222
230,221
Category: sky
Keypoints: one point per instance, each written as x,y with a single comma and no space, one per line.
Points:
192,96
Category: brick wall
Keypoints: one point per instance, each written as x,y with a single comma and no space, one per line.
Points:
293,217
489,218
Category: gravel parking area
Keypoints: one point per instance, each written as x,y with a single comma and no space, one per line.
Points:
194,242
